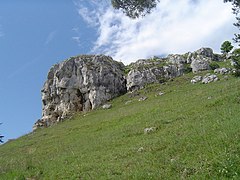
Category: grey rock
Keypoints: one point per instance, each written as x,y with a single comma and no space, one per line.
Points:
145,72
206,52
140,149
196,79
107,106
200,64
149,130
144,98
128,102
233,63
80,83
161,93
176,59
208,78
222,70
201,59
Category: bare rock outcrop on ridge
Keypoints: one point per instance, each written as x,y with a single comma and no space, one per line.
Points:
86,82
80,83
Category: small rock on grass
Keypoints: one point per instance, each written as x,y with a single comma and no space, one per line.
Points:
140,149
106,106
142,98
128,102
149,130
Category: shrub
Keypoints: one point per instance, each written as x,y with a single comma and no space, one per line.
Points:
214,65
187,68
236,58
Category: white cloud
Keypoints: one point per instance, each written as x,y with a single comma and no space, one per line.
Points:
50,37
177,27
76,39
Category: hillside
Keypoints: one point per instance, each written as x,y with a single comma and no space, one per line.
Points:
196,137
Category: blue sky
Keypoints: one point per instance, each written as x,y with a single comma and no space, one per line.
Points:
34,35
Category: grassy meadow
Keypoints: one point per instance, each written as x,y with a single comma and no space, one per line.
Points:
197,137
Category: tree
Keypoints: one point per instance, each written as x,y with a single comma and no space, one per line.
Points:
236,11
1,137
135,8
236,59
226,47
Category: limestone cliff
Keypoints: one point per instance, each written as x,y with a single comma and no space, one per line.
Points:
80,83
85,82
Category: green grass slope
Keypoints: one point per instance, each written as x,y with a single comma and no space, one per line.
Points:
197,137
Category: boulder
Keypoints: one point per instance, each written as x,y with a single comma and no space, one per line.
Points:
205,52
196,79
144,98
106,106
208,78
145,72
176,59
201,59
149,130
200,63
233,63
80,83
222,70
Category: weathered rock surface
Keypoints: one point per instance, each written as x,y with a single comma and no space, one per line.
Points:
149,130
145,72
200,60
208,78
196,79
222,70
107,106
81,83
200,64
86,82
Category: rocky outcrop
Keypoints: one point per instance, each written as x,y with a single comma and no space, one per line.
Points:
200,64
86,82
145,72
196,79
200,60
222,70
81,83
208,78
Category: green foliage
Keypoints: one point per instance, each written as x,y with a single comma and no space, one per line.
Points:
135,8
196,138
187,68
214,65
236,10
226,47
236,59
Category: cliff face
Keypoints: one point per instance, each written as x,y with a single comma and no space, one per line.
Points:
85,82
80,84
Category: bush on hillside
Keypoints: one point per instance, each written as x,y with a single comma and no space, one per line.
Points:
236,59
214,65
